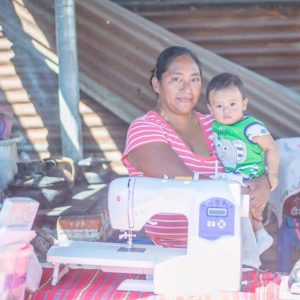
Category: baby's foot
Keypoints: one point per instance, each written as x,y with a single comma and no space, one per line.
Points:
263,240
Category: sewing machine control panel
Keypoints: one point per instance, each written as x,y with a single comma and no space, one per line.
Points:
216,218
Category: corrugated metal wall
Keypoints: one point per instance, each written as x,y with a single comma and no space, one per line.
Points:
117,50
262,36
120,50
126,46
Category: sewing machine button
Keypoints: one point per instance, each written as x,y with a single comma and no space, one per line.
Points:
221,224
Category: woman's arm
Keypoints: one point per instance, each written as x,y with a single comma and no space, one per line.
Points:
158,159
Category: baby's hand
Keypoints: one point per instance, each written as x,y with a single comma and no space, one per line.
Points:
273,179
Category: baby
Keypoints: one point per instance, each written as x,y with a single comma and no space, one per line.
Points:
242,142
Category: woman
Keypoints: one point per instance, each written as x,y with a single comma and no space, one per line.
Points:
173,139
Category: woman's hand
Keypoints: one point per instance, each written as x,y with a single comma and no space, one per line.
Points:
259,191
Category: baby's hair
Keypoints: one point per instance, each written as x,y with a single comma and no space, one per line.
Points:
167,56
223,81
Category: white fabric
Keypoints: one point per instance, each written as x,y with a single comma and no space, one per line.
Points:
34,273
264,240
289,175
250,255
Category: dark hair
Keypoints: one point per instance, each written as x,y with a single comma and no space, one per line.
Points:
167,56
223,81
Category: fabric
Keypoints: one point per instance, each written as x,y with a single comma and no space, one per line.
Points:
81,284
293,230
237,150
289,175
166,229
250,255
286,239
263,239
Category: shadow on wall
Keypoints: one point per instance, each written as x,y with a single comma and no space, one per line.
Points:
33,91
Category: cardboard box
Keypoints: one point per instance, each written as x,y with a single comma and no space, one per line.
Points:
84,227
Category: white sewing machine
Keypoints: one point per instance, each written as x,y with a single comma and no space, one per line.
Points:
212,260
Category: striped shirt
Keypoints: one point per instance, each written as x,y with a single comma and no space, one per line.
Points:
169,230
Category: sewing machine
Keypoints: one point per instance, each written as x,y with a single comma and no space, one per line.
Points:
212,260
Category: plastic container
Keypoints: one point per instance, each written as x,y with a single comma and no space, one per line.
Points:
8,161
14,262
18,213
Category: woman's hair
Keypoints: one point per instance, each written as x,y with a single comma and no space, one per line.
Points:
167,56
223,81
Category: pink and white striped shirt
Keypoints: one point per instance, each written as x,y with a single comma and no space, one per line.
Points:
169,230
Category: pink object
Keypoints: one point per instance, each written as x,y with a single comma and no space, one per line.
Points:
14,262
6,121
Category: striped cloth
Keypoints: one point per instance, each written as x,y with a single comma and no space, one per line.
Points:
152,128
166,229
81,284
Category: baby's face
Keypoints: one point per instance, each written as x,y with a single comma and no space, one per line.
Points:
227,105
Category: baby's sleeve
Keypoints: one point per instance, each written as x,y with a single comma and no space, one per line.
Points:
255,129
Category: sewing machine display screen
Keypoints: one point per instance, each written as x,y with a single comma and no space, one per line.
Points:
217,212
216,218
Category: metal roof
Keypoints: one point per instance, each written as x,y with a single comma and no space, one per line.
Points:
262,36
126,46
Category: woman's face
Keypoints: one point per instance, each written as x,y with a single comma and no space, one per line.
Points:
180,86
